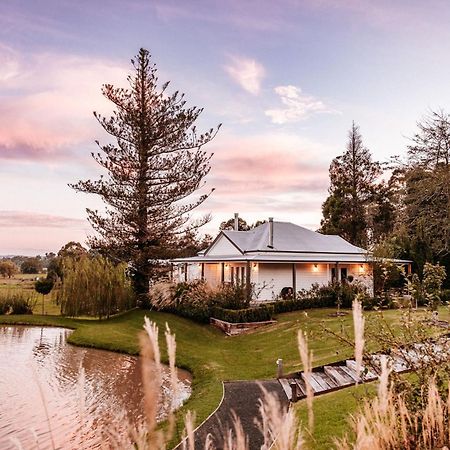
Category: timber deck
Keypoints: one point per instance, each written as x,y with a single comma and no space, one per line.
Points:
343,374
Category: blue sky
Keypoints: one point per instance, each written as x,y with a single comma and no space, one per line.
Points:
284,78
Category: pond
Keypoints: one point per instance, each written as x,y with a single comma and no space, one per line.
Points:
42,399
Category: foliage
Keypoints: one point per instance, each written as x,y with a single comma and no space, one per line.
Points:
16,302
44,286
256,314
156,164
196,300
433,277
339,294
242,224
31,265
302,303
8,268
94,286
353,178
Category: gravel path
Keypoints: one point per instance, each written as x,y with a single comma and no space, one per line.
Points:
242,398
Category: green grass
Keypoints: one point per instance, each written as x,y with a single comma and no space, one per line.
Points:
332,415
213,357
25,283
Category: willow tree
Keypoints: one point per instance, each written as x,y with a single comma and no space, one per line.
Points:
154,166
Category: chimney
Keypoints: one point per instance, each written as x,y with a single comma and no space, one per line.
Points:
270,232
236,221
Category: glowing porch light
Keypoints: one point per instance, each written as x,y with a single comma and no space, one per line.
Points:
315,268
255,267
361,268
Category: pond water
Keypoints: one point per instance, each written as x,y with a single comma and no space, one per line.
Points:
40,378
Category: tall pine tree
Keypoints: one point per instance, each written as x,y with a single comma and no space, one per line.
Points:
154,166
353,178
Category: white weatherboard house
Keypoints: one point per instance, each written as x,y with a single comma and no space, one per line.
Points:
276,255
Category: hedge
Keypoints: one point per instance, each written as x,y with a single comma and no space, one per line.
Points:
282,306
257,314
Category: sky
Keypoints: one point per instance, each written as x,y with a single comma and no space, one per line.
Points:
285,79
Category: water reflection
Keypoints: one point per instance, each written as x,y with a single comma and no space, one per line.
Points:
39,378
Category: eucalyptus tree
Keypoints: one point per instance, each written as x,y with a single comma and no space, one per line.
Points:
154,166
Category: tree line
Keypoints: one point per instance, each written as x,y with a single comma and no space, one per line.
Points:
398,209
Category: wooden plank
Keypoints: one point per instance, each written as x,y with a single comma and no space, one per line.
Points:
328,381
301,386
286,388
399,364
339,376
351,364
316,387
350,372
317,378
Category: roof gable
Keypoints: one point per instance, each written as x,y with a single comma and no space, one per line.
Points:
222,246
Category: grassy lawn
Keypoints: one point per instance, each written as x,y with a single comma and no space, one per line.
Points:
212,357
25,284
332,414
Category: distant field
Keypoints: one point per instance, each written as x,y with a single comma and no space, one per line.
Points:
25,283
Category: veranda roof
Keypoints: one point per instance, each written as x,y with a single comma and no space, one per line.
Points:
293,258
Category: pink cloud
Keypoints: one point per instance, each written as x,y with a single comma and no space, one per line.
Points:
47,103
26,219
268,164
280,175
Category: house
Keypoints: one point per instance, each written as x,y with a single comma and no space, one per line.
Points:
274,257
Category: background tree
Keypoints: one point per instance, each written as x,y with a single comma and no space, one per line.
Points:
353,177
229,224
8,268
44,287
242,223
31,265
423,219
154,166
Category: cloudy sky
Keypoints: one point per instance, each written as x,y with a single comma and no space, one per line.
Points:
285,78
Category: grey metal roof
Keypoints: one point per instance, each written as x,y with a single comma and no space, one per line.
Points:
291,243
288,237
287,258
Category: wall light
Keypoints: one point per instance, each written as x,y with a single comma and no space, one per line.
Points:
255,266
226,266
315,268
361,268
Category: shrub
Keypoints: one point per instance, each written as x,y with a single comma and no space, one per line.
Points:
256,314
17,302
231,296
333,294
196,300
281,306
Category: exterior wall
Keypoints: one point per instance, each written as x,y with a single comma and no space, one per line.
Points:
271,278
309,274
213,273
223,247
